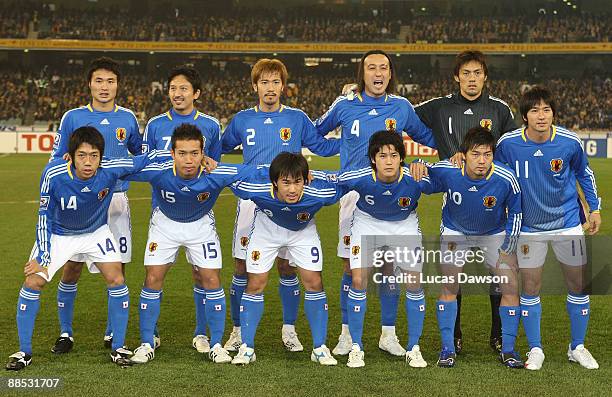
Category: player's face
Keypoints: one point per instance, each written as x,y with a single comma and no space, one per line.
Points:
387,164
471,79
376,74
289,189
86,161
187,157
269,88
478,161
540,118
103,86
182,95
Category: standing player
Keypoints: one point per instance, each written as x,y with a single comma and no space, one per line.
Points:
183,216
373,108
284,219
119,128
548,161
184,89
386,207
482,209
450,117
264,131
73,228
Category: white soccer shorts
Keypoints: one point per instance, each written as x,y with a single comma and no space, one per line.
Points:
456,245
200,239
268,239
393,235
98,246
569,246
348,204
120,225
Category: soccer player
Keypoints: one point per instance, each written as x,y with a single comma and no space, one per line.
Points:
450,117
119,128
548,161
386,207
482,209
284,218
184,196
373,108
184,89
73,228
264,131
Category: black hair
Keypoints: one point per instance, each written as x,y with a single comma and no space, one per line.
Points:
190,73
83,135
477,136
533,97
104,63
384,138
360,72
287,164
187,132
468,56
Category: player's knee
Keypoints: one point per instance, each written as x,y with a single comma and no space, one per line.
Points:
240,267
359,282
196,275
71,272
346,266
115,279
284,269
34,282
210,280
153,280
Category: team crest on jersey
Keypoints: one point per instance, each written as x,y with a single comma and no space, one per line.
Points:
556,165
390,124
346,240
121,134
303,216
103,193
285,134
403,202
452,246
255,255
203,196
489,201
525,249
355,250
244,241
152,247
486,123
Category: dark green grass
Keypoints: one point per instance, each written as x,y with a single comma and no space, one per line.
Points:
178,369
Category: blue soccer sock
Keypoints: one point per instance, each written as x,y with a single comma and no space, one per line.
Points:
345,285
356,307
199,299
315,307
579,310
119,298
27,309
510,319
215,314
415,314
289,291
252,306
66,294
150,301
389,302
447,313
531,314
161,298
236,290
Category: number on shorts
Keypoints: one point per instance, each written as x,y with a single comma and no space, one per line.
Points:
109,247
210,252
123,248
315,254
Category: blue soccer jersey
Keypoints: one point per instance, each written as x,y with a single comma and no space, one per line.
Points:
393,201
479,207
263,135
159,129
187,200
119,128
361,117
71,206
547,173
258,188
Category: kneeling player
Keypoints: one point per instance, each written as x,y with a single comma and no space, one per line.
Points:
474,215
284,219
386,207
72,227
185,195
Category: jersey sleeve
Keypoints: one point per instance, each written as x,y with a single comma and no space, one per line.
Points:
148,138
350,179
230,138
45,217
214,150
226,174
122,168
134,143
500,153
329,121
515,217
585,177
148,173
252,184
508,123
62,136
434,182
318,144
425,112
417,130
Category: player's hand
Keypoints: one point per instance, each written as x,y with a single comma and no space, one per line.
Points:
310,177
418,171
33,267
349,90
209,164
509,259
594,222
457,159
66,156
